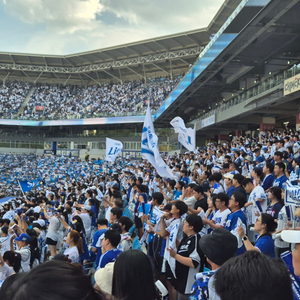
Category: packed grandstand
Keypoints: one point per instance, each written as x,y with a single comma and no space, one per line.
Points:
93,206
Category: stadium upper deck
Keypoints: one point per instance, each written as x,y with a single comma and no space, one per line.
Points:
162,56
256,41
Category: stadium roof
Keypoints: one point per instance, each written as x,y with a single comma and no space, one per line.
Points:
167,54
260,42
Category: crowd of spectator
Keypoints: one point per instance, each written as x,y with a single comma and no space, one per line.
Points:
12,95
221,218
129,98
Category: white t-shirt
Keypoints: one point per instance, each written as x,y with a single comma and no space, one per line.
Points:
6,271
73,254
190,202
53,228
87,223
257,193
5,244
25,258
220,218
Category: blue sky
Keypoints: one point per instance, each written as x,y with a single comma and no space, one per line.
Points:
71,26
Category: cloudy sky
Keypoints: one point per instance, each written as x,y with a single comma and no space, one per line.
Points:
70,26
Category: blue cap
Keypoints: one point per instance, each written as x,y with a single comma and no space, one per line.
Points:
24,237
260,159
265,148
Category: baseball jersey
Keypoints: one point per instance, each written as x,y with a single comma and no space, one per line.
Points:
189,247
220,218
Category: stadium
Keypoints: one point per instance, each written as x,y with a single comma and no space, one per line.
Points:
234,84
198,73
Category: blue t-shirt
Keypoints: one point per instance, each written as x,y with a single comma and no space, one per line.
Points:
266,245
109,256
96,237
177,194
274,210
230,191
267,182
231,224
185,180
279,181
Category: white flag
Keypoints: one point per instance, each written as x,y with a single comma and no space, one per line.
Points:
186,136
150,149
113,148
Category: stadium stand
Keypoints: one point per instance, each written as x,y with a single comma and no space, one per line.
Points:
130,98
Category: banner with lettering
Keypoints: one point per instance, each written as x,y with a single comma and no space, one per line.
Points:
113,148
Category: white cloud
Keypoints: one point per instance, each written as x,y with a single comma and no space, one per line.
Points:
61,16
69,26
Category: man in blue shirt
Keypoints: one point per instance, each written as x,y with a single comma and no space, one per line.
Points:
280,176
269,178
236,202
110,252
102,225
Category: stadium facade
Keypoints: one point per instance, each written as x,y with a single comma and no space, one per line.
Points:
238,74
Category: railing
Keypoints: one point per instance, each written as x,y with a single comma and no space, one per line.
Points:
256,90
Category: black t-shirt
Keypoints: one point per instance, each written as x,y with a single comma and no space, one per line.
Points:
202,203
188,247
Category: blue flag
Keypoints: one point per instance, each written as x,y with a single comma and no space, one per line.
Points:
26,185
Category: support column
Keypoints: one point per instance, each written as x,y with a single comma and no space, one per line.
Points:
267,124
222,138
238,132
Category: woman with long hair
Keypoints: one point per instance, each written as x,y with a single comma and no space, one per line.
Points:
75,246
133,277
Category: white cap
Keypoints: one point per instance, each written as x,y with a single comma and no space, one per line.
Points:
104,276
291,236
41,222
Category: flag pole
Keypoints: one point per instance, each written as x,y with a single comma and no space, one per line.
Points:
21,188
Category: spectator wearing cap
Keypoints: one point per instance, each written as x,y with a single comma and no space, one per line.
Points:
103,279
229,184
236,181
86,217
22,242
269,178
293,237
248,167
218,247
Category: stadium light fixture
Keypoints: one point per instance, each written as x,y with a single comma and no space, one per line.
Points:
270,73
288,62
